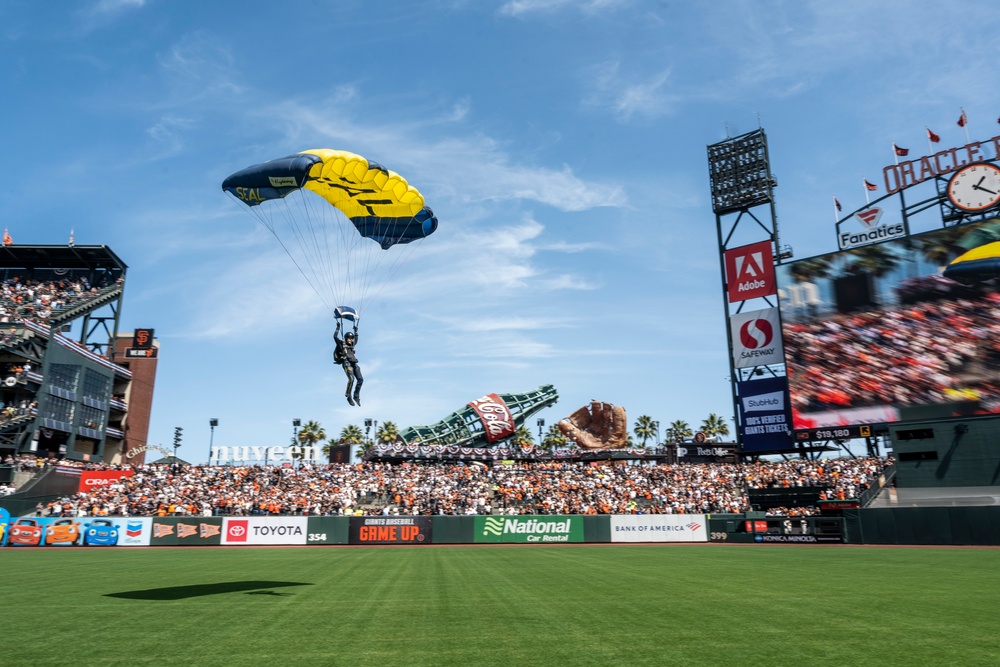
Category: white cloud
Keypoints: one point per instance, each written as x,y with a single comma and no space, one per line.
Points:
629,95
525,7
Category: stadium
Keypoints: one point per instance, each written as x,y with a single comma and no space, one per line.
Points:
873,342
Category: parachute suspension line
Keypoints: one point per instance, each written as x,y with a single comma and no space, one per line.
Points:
267,220
396,265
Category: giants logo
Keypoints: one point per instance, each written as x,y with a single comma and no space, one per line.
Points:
496,417
750,271
142,339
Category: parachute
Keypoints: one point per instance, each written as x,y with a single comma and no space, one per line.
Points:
975,266
347,223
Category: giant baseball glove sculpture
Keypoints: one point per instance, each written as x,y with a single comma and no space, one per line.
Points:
597,426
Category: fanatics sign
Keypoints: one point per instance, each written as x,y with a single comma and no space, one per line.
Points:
750,272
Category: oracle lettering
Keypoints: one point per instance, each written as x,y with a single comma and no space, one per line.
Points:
905,174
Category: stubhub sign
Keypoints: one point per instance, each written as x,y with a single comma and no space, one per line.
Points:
765,417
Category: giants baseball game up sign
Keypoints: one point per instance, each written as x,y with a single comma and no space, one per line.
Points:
756,338
750,272
497,420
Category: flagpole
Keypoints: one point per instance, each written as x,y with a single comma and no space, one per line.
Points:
836,213
965,125
895,154
863,181
930,147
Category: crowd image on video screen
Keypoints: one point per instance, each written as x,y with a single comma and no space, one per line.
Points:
908,329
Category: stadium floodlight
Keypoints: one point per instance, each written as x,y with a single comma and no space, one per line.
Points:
740,173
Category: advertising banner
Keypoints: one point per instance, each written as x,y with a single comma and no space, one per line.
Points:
750,272
265,530
659,528
536,530
498,422
390,530
765,415
327,530
186,531
33,531
97,479
756,338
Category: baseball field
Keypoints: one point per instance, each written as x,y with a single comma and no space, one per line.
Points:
501,605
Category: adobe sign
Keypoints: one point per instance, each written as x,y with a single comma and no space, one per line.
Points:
750,272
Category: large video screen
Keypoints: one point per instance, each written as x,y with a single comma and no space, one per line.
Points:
904,330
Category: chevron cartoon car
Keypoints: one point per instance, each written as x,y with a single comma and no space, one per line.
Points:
100,532
25,532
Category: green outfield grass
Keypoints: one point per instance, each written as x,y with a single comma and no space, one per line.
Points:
480,606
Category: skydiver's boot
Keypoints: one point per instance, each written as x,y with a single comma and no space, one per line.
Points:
349,400
357,399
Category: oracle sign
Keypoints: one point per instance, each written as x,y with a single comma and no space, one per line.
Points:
497,420
96,479
750,272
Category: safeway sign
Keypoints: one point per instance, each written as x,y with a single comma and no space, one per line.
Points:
756,338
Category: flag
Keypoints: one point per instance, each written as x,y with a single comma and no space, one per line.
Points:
962,120
932,137
7,240
870,186
836,203
900,151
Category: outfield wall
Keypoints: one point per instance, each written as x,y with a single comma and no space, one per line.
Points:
918,525
365,530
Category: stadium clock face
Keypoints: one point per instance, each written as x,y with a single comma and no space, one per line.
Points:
975,187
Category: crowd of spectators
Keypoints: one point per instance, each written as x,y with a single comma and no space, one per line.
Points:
931,352
460,489
36,300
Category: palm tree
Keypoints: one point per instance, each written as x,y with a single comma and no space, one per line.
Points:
678,431
645,428
876,260
714,426
554,439
523,437
351,435
309,435
807,270
387,434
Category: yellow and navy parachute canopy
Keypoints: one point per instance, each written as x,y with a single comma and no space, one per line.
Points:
978,265
380,203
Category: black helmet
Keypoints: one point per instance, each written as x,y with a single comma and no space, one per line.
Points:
350,334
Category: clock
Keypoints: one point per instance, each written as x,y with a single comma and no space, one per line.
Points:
975,187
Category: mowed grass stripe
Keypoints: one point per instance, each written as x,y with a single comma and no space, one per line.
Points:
537,605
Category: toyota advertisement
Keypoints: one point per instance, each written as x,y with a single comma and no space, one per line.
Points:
907,329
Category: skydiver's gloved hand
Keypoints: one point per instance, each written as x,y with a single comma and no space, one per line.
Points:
597,426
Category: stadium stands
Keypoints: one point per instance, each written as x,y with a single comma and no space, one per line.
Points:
458,489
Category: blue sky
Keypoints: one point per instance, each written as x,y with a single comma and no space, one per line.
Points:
561,145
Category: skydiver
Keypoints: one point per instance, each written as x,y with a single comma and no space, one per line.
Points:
344,355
